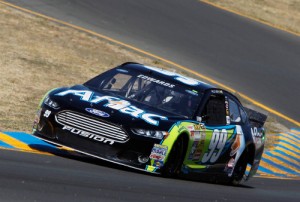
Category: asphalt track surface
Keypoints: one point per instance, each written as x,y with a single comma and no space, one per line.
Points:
34,177
250,57
258,60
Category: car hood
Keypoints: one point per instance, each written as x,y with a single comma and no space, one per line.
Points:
113,108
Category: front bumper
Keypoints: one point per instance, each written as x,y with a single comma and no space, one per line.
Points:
133,153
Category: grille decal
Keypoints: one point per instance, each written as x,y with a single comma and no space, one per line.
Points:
91,125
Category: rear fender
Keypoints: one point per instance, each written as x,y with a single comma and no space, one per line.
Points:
252,161
240,142
257,121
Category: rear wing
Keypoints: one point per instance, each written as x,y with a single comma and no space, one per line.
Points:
256,118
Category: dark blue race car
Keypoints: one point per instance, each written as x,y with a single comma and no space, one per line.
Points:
157,121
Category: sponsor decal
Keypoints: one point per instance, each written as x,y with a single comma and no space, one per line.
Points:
199,147
97,112
227,106
190,128
230,166
257,135
159,152
193,149
88,135
197,132
227,111
192,92
158,163
122,106
182,128
199,136
217,91
231,163
199,127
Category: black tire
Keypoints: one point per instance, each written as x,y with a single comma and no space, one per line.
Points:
174,162
239,170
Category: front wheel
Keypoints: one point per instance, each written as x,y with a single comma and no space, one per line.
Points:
173,165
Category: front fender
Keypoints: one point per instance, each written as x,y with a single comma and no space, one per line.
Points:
178,129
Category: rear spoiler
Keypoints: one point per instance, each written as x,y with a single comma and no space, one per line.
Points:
256,118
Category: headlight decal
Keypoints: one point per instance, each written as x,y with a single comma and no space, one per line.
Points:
46,95
150,133
49,102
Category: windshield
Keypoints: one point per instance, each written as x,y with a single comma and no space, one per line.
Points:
154,92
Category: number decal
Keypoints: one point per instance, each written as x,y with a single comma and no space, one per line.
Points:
47,113
216,146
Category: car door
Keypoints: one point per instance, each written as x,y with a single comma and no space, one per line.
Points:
217,144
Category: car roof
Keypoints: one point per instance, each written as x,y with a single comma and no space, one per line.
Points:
155,71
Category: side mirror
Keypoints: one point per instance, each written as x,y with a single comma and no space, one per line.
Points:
199,119
203,118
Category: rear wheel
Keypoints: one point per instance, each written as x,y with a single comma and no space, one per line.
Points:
173,165
239,170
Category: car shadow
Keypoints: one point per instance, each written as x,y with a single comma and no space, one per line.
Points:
73,155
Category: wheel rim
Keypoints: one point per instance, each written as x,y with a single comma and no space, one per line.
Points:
239,171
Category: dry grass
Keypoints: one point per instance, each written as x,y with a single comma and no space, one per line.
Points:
281,13
37,55
273,128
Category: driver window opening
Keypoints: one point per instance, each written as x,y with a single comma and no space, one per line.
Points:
214,112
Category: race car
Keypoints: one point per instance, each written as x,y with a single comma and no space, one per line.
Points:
157,121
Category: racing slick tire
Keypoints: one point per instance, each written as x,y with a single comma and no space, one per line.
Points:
239,170
173,165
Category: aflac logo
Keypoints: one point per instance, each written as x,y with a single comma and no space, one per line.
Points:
122,106
97,112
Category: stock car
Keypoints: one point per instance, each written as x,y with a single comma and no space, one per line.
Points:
157,121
